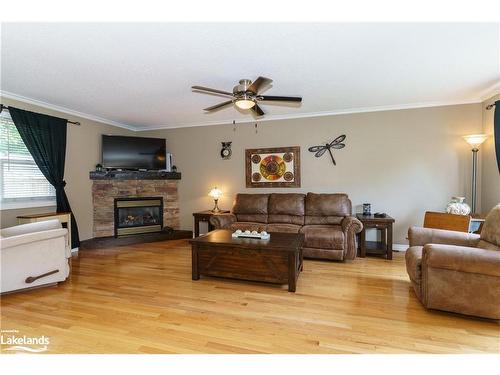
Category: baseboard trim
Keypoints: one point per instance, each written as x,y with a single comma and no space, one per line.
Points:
399,247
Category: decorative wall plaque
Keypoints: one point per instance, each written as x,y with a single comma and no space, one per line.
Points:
273,167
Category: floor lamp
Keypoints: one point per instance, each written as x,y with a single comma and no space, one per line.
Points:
474,140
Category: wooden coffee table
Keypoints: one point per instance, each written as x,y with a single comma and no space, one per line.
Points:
277,260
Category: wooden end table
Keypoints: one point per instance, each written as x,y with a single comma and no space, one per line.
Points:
204,216
383,247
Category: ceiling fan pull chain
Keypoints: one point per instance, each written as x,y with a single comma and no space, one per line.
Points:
234,126
256,129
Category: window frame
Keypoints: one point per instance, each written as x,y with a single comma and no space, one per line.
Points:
24,202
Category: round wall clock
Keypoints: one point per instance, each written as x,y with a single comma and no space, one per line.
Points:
225,152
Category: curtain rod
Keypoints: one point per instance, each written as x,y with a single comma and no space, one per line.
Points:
2,107
490,106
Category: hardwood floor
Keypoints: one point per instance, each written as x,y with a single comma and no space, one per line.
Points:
141,299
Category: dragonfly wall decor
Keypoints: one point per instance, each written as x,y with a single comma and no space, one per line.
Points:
336,143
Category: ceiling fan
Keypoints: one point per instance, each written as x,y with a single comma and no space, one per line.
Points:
245,95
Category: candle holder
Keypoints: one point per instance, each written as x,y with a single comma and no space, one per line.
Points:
367,209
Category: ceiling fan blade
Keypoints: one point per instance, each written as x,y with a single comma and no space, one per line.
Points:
208,89
217,106
258,84
257,110
271,98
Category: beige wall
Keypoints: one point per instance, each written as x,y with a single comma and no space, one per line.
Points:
403,162
490,194
83,152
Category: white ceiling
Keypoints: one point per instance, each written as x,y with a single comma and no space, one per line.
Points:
139,75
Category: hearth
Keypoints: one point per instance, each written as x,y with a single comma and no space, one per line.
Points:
138,215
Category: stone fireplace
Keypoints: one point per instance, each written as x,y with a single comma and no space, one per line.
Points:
155,196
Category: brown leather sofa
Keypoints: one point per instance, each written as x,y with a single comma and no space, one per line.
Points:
325,219
456,271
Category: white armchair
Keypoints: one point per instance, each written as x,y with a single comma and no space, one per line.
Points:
32,255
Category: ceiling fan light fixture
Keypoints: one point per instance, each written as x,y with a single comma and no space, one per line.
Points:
246,96
244,103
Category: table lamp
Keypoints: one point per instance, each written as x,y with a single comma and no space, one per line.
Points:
215,194
474,140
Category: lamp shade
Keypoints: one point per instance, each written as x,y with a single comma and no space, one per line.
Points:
215,193
475,139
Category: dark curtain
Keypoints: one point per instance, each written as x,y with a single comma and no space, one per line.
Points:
496,132
45,139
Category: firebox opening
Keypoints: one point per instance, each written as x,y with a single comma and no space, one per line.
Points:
138,215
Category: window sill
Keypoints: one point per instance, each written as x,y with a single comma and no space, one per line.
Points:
27,204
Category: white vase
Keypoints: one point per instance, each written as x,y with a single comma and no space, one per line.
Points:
457,206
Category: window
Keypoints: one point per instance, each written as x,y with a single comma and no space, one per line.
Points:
21,182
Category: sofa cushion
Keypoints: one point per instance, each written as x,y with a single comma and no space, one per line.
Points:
326,208
413,257
283,228
246,225
286,208
323,236
251,207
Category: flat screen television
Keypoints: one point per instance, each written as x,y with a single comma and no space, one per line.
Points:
120,152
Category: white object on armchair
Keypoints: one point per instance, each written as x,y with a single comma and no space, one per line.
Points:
31,253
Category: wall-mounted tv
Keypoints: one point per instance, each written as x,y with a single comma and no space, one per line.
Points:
119,152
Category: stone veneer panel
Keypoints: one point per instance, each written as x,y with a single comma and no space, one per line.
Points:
105,191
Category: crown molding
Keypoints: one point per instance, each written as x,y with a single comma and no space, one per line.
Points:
316,114
40,103
347,111
490,92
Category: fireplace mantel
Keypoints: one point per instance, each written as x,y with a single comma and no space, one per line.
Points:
134,175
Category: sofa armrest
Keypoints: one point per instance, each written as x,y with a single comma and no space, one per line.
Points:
222,221
350,226
422,236
23,239
350,223
462,259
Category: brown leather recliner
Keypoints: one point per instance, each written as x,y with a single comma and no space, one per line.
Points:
325,219
456,271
